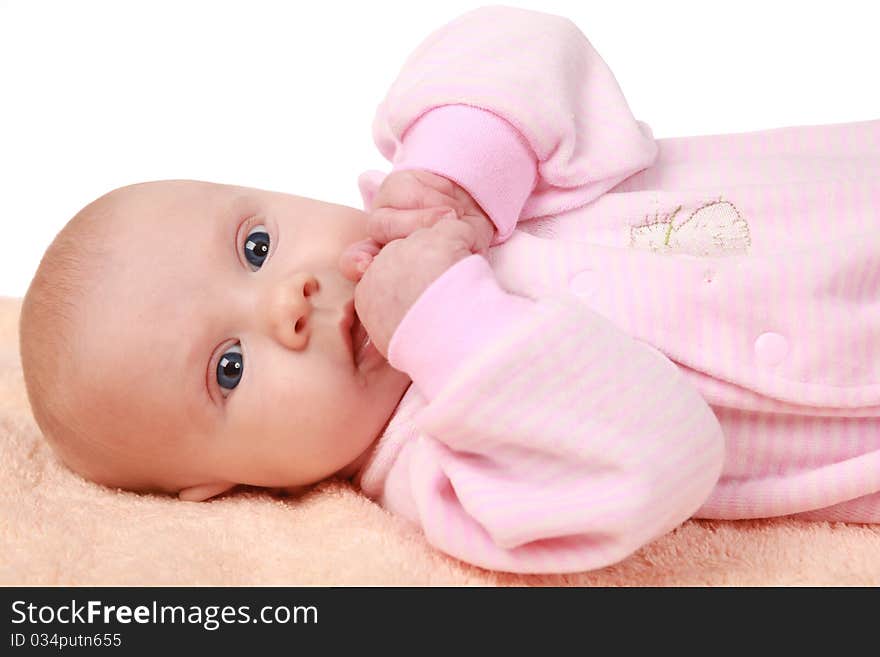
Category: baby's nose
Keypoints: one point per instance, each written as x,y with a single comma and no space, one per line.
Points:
288,310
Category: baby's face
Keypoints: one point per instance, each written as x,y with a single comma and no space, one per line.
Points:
224,337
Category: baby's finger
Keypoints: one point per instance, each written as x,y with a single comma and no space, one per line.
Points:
354,254
387,224
415,189
460,231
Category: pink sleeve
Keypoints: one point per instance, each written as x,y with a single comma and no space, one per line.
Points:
479,151
460,314
542,452
518,108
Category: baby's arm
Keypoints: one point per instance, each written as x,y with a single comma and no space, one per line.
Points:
516,107
403,270
552,441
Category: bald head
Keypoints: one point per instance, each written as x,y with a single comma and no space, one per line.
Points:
67,324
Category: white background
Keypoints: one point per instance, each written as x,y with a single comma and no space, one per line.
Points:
281,95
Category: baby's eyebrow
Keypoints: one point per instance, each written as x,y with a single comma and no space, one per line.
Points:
243,203
195,358
196,362
230,215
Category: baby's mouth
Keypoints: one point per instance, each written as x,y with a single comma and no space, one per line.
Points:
364,354
360,340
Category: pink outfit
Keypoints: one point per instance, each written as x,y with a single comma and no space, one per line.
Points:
663,329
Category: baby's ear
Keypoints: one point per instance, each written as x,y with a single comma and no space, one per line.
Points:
203,492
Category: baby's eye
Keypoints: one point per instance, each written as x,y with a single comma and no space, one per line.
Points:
256,246
230,368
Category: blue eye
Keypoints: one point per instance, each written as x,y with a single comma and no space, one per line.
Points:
256,246
230,368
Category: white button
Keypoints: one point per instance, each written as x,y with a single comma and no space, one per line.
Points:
771,349
583,283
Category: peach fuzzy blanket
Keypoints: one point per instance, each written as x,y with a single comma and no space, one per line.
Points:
56,528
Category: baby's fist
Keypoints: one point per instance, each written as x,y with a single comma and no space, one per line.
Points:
404,269
408,200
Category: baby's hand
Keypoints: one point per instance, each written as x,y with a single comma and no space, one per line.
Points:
404,269
409,200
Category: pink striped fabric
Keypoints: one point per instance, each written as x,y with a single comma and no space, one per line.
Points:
663,329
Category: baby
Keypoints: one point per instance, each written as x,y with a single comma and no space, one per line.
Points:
611,334
242,305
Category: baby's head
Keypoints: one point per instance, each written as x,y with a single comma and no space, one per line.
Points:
186,337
